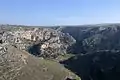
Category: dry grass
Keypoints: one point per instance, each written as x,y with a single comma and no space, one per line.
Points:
38,69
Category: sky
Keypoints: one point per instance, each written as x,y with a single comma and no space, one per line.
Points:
59,12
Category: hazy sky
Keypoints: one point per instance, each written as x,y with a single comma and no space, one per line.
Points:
59,12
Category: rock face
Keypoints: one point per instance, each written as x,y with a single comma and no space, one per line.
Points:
91,38
43,42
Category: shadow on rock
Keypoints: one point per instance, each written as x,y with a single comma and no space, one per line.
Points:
95,66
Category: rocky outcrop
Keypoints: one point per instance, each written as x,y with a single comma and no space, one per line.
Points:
43,42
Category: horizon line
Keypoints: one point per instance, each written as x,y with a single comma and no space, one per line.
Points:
60,25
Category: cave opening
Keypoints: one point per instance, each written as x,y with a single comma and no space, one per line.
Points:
35,50
1,42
